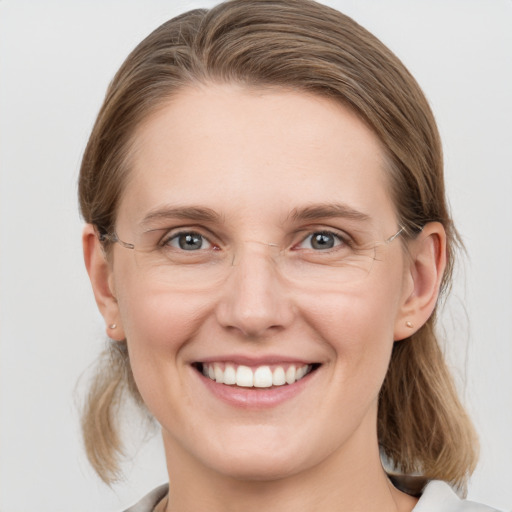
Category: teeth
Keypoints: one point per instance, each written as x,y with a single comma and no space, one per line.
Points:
219,374
263,377
229,374
244,377
300,373
260,377
278,377
290,375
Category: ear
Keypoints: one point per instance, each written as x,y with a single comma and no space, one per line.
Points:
101,276
427,262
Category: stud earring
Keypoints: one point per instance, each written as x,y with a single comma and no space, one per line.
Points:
409,324
112,326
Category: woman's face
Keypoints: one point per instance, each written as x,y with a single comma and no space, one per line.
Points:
259,219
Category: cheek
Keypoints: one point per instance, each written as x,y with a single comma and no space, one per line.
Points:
358,325
153,314
159,327
364,313
158,324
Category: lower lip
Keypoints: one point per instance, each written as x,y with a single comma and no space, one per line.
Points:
255,398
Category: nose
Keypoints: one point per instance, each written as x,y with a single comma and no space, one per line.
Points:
255,300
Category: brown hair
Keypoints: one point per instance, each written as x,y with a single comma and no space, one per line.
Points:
305,46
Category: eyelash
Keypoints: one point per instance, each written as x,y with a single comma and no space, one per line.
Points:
341,239
169,237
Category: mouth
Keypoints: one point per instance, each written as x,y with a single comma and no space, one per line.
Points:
263,376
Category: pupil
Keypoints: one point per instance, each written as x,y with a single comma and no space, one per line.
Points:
322,241
190,242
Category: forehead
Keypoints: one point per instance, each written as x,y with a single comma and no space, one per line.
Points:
235,149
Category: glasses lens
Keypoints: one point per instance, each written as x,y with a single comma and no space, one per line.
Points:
189,261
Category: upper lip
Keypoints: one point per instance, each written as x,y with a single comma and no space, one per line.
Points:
255,361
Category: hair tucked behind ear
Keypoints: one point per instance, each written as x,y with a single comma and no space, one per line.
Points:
303,46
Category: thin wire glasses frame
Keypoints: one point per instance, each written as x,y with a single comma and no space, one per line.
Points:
113,238
191,270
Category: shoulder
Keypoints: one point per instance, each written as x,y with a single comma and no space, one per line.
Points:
151,500
439,497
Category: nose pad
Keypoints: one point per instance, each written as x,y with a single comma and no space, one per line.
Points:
255,301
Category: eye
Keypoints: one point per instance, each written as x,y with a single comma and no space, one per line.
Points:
321,241
188,241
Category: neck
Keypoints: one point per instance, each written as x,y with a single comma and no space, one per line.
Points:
353,480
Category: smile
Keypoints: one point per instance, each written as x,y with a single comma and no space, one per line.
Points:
264,376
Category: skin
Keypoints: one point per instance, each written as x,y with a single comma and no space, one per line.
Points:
254,157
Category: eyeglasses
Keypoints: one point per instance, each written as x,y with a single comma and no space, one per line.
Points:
194,259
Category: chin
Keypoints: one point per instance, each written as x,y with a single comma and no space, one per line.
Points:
259,468
263,458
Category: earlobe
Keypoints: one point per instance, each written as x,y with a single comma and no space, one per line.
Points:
427,255
100,274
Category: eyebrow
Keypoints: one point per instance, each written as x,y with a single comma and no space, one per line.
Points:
194,213
326,211
202,214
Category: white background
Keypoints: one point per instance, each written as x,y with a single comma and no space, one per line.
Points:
56,59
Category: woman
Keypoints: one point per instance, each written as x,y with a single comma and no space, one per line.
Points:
267,238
